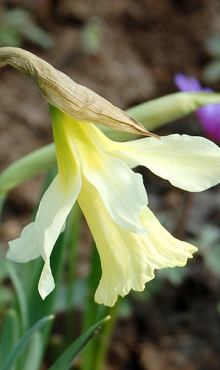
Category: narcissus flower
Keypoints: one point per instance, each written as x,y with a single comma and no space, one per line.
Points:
209,115
97,172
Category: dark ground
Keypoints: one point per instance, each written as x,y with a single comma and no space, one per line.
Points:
143,43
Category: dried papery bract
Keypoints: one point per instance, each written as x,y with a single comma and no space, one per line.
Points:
79,102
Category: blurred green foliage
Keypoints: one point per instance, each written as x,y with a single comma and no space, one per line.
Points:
18,25
208,242
6,295
211,72
92,35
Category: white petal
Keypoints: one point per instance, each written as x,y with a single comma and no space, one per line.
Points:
46,283
25,248
39,237
190,163
54,208
128,260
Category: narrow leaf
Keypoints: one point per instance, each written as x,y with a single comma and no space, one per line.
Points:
9,334
34,352
23,342
20,295
66,359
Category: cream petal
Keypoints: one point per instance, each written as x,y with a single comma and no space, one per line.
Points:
128,260
54,208
190,163
25,248
166,250
121,190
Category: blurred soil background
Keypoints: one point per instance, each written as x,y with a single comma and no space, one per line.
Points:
128,51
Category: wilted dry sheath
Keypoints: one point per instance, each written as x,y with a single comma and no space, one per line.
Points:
79,102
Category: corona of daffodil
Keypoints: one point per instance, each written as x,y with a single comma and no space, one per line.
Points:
97,172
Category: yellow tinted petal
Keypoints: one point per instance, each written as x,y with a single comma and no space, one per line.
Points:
128,260
190,163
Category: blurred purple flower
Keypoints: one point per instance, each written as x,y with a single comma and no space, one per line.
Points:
209,115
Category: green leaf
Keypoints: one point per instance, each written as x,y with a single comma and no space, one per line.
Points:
23,342
66,359
9,334
4,274
34,352
20,295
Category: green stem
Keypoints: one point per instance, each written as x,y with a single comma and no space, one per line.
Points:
91,312
72,239
27,167
106,335
95,354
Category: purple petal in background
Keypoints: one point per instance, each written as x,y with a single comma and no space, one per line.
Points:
209,115
187,84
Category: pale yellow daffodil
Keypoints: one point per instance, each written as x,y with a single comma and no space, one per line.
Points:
97,172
